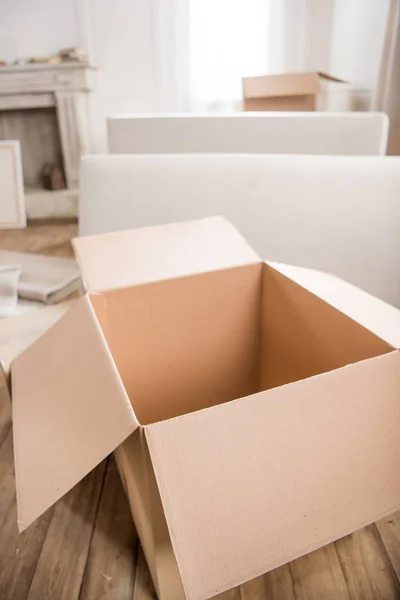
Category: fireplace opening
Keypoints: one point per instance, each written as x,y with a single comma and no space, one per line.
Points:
37,130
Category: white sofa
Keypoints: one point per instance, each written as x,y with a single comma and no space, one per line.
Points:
334,213
352,133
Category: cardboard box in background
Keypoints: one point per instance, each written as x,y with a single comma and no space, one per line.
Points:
296,92
254,408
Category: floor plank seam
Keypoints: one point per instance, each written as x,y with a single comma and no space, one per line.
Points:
345,577
7,512
38,558
96,515
293,583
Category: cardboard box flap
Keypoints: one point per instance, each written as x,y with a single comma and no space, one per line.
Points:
70,410
18,332
290,84
125,258
377,316
252,484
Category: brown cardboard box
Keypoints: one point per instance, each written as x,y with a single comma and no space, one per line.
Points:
289,91
254,408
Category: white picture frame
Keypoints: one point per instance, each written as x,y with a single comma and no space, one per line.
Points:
12,197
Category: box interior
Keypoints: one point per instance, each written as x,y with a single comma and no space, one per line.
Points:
186,344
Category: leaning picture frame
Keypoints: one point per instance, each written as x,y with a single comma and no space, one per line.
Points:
12,198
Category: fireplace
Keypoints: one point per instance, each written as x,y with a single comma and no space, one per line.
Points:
37,130
45,107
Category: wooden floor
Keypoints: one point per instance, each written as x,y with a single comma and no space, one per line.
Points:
86,547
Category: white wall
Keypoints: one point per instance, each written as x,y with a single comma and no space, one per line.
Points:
37,27
342,37
143,64
300,34
119,41
135,47
317,42
132,43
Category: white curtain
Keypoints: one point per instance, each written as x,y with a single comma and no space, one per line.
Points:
229,39
388,92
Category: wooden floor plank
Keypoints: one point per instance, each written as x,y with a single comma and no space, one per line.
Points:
7,478
230,595
143,589
62,561
82,548
389,530
276,585
111,565
319,575
40,239
279,584
253,590
5,409
19,554
5,424
366,568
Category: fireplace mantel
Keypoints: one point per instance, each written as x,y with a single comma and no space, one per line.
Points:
64,86
40,79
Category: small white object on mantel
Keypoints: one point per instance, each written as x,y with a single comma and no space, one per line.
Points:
12,200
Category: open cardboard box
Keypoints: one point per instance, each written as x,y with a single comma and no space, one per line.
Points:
254,409
296,92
